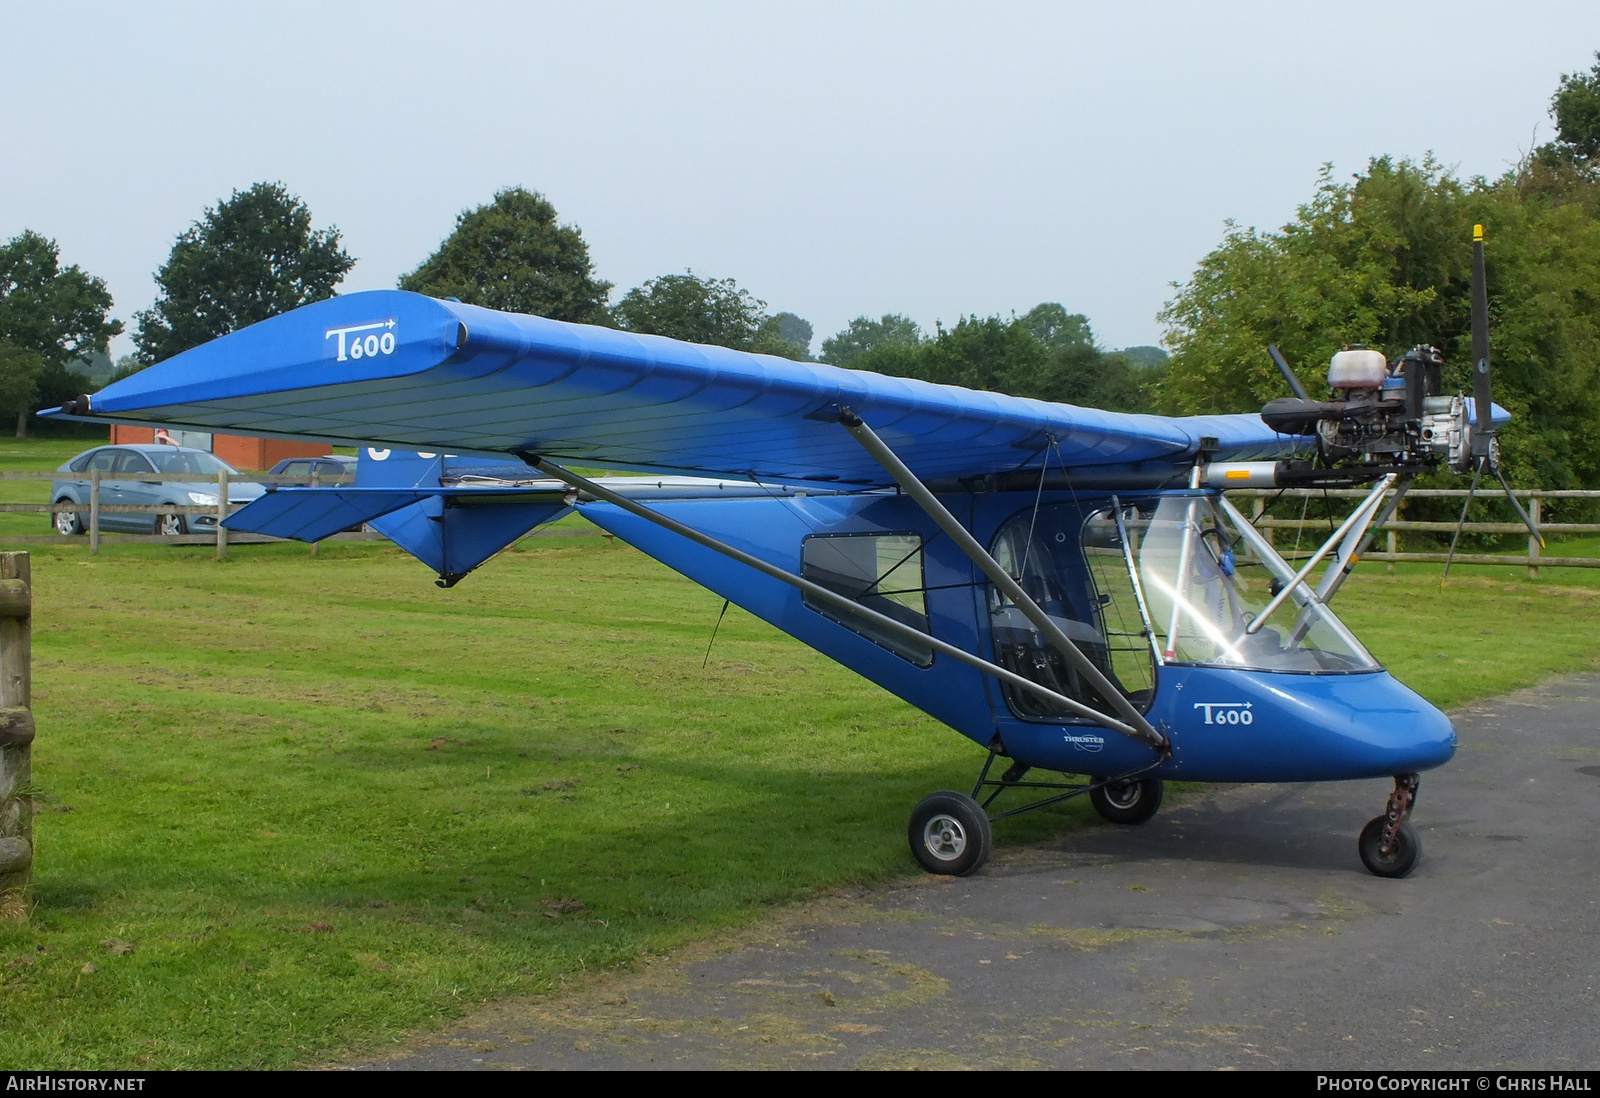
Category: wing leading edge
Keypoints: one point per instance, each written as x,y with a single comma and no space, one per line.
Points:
412,372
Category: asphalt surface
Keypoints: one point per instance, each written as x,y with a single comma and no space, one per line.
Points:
1236,931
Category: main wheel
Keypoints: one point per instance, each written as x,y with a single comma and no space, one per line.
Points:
171,526
950,834
1399,861
1131,802
67,523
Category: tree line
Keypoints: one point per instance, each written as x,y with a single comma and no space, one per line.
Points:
1381,259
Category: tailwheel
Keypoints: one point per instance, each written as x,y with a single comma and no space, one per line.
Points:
1127,802
950,834
1389,847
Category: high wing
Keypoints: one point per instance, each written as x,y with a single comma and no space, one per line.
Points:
399,369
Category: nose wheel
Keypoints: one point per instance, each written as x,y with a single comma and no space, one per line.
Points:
1389,845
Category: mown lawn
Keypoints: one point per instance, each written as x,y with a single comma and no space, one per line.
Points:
327,804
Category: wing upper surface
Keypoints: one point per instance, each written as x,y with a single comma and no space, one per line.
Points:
395,368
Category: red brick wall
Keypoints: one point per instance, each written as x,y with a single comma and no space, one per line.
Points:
240,451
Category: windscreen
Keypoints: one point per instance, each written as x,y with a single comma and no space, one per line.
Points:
187,461
1206,576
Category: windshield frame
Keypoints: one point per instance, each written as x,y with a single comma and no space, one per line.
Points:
1312,611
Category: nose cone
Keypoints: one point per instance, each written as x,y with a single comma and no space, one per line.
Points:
1273,727
1388,727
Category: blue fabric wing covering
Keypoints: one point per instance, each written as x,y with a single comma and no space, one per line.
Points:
408,371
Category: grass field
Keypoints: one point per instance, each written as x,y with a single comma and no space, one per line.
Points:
298,807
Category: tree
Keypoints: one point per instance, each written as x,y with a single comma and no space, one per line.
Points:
512,255
865,334
19,382
713,311
250,257
795,332
1056,328
1142,356
1009,356
1576,109
49,316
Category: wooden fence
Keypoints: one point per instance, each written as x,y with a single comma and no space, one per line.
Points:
1532,500
16,735
93,509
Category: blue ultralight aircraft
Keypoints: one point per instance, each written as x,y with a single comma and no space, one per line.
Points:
1069,588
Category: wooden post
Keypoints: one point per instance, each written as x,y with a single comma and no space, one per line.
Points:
1390,569
1257,509
16,736
222,513
94,511
1533,542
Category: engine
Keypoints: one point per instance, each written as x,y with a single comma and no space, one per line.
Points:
1382,413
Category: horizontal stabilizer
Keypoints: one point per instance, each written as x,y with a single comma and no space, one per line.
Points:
311,514
451,530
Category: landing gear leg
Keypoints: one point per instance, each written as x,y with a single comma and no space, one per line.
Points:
1389,847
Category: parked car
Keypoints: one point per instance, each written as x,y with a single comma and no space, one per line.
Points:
326,468
127,478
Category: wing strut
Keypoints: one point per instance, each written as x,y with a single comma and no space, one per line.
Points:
1138,727
825,594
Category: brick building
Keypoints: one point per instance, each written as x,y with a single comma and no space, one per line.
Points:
240,451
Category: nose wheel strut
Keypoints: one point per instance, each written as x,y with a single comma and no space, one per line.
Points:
1389,845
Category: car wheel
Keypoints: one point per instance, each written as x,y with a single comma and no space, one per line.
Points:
67,523
171,526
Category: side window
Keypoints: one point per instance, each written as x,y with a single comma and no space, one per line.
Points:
297,469
102,459
80,464
130,461
1062,573
882,572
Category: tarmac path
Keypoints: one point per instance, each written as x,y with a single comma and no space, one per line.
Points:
1238,930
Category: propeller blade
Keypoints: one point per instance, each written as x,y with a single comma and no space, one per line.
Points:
1478,472
1282,364
1527,520
1483,429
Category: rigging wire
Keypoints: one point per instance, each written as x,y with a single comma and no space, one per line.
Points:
713,640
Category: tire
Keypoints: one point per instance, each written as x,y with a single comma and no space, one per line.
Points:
1398,862
1128,803
950,834
67,523
170,526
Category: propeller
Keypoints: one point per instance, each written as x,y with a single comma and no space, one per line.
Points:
1282,364
1485,450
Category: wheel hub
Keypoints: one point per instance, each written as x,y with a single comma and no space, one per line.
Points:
1123,794
945,838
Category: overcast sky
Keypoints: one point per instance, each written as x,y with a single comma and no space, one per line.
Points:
836,159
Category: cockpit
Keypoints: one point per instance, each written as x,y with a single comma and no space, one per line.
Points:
1143,582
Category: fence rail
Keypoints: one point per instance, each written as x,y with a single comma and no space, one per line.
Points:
1533,560
221,539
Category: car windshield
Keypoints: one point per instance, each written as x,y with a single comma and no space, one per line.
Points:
1205,577
188,461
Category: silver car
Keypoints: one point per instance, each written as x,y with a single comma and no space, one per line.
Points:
126,478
